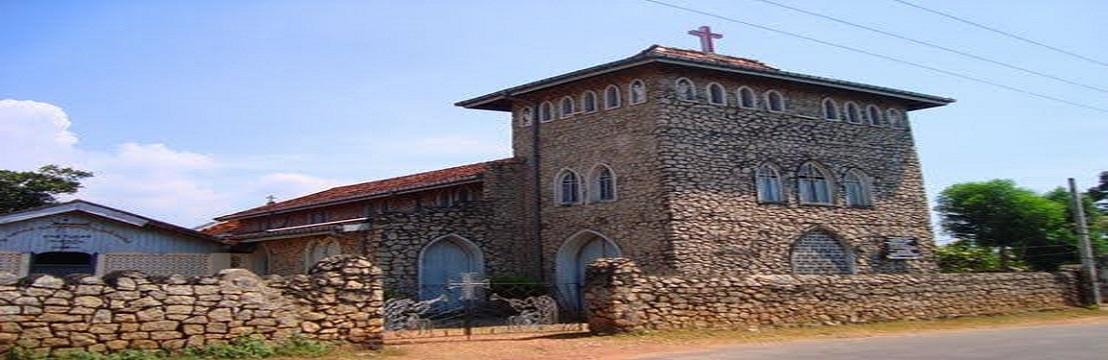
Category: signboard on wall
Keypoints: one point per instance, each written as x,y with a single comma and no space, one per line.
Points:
902,248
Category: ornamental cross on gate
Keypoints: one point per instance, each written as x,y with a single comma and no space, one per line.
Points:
469,285
706,35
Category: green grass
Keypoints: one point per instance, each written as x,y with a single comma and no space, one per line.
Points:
238,349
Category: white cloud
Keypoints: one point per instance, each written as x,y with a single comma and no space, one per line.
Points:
155,180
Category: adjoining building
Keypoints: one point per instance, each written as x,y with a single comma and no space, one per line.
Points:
687,162
87,238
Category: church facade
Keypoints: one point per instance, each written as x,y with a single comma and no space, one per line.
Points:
688,162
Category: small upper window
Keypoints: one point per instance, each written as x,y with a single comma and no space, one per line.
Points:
588,101
567,107
638,92
546,111
853,115
746,97
830,110
317,217
774,101
685,89
526,116
611,97
895,119
463,195
873,114
445,199
568,189
602,184
716,95
813,185
768,184
857,186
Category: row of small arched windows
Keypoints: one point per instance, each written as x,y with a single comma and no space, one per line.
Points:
587,103
814,185
774,101
600,186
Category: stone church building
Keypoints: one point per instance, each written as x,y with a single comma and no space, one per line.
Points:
688,162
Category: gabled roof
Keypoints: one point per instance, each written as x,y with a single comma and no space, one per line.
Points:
502,100
372,189
106,212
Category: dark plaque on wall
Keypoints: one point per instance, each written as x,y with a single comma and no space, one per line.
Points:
902,248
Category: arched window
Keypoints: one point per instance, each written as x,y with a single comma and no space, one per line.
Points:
588,101
858,189
611,97
830,110
813,185
638,92
567,190
546,112
568,107
768,183
896,121
685,89
853,115
820,253
526,116
319,250
716,94
873,114
602,184
746,98
774,101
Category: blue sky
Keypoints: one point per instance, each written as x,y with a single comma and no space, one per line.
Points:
187,110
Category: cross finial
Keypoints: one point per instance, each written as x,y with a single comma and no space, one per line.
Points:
706,35
270,199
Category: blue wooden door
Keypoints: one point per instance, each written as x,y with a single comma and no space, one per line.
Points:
443,262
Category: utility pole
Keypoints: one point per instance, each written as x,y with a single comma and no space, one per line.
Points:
1088,267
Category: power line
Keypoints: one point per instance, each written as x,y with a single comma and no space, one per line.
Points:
1005,33
936,46
886,57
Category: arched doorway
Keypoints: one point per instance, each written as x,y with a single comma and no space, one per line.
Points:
574,257
819,252
60,263
443,261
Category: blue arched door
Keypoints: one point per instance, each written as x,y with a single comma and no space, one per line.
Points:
443,262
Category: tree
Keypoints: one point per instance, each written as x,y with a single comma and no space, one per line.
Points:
1099,193
998,214
27,189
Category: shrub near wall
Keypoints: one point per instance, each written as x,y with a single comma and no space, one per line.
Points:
621,299
340,300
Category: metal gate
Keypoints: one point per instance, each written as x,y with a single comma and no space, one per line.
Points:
479,307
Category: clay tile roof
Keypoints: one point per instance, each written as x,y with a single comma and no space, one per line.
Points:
372,188
220,228
699,56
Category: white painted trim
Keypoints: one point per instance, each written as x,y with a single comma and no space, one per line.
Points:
75,206
857,111
769,104
558,187
619,97
753,97
549,105
562,114
692,85
594,193
722,93
477,261
869,115
827,174
566,257
595,102
630,94
780,184
336,222
823,109
25,265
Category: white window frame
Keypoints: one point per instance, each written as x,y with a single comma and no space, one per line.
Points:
776,178
559,191
857,113
722,93
608,95
769,103
549,115
828,184
631,92
692,87
562,114
584,100
594,184
865,187
753,97
834,107
873,109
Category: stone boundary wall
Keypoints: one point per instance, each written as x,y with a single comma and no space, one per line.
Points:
621,299
339,300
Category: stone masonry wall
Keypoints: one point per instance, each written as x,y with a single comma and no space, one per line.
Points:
621,299
340,300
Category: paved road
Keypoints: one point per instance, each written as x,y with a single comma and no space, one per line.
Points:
1068,342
